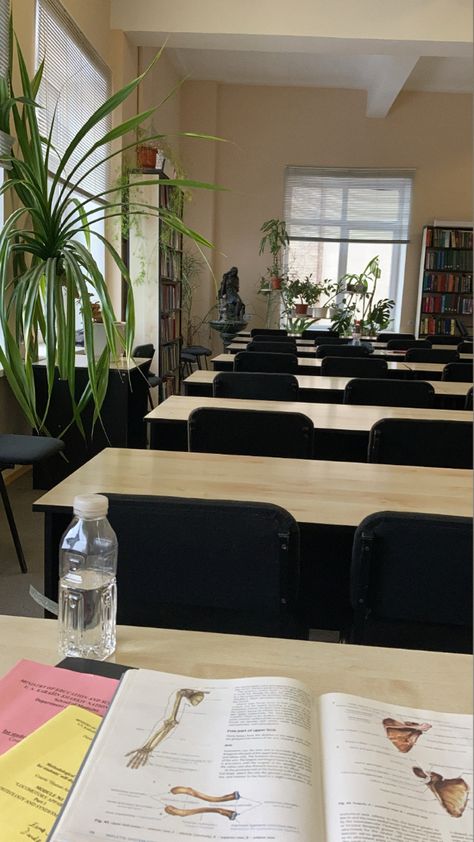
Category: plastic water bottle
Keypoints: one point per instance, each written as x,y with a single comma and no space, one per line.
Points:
356,334
87,584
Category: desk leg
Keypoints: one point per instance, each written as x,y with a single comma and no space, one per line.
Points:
55,524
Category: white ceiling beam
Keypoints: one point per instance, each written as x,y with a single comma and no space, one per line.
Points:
388,76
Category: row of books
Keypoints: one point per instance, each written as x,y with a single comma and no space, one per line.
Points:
448,238
171,264
447,282
185,757
169,357
446,304
169,297
169,329
430,325
456,260
168,386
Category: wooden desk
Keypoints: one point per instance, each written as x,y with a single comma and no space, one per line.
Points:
200,383
307,348
225,362
328,499
432,680
169,421
433,368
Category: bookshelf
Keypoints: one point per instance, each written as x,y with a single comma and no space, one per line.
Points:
153,254
445,285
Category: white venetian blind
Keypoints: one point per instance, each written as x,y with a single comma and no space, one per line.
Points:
4,36
75,82
343,205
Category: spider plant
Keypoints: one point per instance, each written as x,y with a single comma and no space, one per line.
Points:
45,263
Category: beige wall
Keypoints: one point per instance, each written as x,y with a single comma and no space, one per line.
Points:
270,127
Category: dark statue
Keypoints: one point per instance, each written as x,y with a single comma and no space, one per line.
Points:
231,306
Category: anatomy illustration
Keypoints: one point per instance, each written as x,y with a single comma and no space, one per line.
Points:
452,793
139,757
193,811
404,735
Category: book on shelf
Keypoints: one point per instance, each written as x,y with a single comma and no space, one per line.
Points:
260,758
445,279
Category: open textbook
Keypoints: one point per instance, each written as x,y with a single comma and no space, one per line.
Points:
260,759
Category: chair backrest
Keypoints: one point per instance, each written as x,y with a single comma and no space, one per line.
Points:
353,367
250,361
465,348
144,351
389,337
281,339
255,385
210,565
411,582
342,351
435,444
468,401
324,339
281,346
250,432
317,334
428,355
266,331
460,372
442,339
389,392
405,344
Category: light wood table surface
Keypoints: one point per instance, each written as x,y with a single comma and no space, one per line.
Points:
338,493
433,367
121,364
437,681
379,349
304,362
338,384
329,416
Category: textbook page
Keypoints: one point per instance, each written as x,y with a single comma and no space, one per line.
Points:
188,758
36,774
394,773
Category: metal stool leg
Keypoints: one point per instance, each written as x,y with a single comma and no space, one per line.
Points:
12,525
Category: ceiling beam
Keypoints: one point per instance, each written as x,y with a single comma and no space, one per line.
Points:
388,75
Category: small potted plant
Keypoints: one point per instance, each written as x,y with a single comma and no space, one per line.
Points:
275,238
299,295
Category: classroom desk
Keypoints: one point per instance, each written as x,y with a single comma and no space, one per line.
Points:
306,365
434,370
428,680
308,348
328,500
332,422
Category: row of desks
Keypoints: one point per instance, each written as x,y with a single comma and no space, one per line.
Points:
225,362
307,348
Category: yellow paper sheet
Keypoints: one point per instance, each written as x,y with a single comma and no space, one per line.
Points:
36,774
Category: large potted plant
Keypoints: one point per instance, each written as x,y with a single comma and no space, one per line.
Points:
357,302
46,267
275,239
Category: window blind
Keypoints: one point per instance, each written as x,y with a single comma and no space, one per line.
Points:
348,205
4,36
75,83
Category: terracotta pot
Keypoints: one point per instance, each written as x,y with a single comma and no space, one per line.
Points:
146,157
301,309
275,282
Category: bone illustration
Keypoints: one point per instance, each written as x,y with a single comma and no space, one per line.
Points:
140,756
188,790
176,811
452,793
404,735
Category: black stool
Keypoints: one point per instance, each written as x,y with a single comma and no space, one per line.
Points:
22,450
200,353
187,361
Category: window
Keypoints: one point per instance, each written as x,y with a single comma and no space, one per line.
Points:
339,219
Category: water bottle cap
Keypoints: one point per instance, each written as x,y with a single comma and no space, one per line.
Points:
90,505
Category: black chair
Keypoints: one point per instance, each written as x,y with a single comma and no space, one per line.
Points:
422,355
411,582
442,339
389,337
285,347
22,450
353,367
281,363
460,372
218,566
389,393
342,351
255,385
433,444
266,331
405,344
142,352
468,401
200,353
186,362
320,334
332,340
281,340
250,432
465,348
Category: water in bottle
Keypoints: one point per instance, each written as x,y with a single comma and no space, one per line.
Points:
87,584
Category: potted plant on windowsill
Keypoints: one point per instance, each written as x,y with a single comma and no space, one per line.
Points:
275,239
358,302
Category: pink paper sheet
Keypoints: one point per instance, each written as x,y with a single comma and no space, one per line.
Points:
32,693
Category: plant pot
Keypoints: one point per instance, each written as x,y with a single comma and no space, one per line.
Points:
301,309
275,282
100,340
146,157
319,312
6,143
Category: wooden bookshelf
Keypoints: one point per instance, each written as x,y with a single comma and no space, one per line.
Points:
445,285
